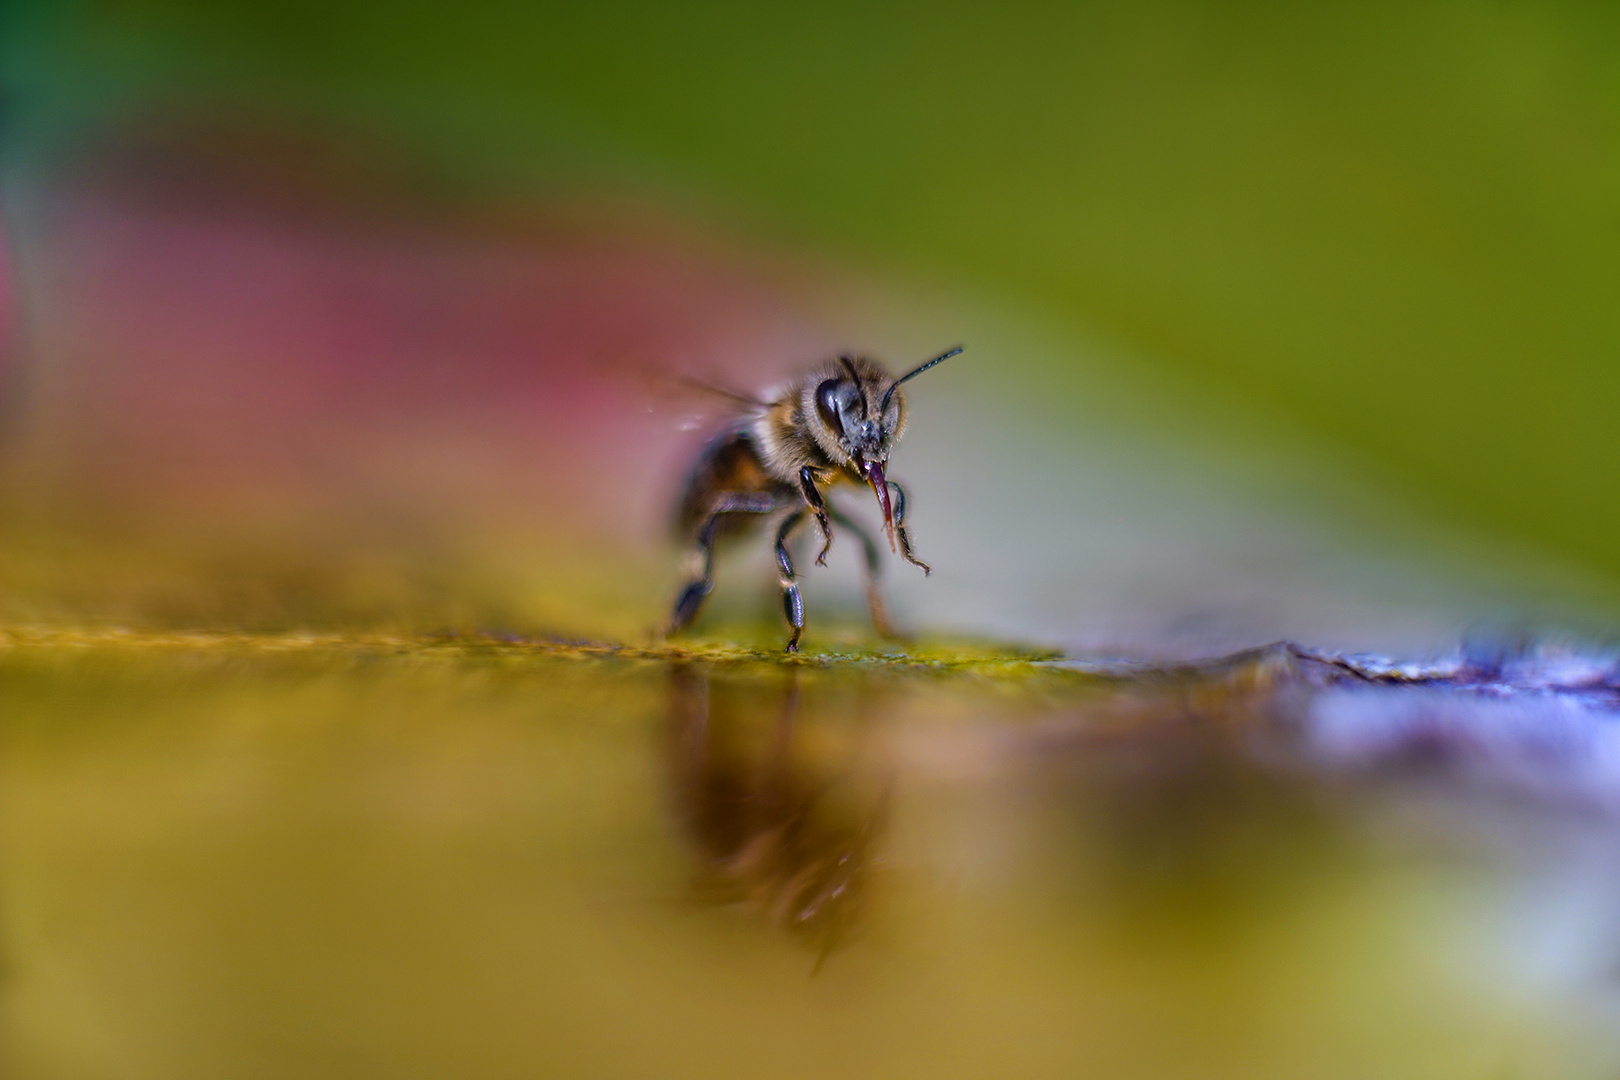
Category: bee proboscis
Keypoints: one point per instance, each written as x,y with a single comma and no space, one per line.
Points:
836,423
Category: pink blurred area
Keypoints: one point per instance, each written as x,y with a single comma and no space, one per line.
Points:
233,338
8,313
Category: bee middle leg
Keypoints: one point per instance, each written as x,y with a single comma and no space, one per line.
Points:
701,581
872,564
792,603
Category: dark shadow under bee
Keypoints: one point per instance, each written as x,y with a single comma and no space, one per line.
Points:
777,827
835,424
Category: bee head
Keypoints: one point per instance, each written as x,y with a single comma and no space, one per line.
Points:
862,415
863,412
859,425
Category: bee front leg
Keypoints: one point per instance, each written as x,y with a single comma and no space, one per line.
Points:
899,495
812,498
792,604
701,576
873,564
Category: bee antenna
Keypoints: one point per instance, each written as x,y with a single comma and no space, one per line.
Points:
913,373
860,395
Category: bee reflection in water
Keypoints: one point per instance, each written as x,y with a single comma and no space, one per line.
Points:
784,804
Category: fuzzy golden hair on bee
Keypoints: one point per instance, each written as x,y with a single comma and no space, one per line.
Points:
836,423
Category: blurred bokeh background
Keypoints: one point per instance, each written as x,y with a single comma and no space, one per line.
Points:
1281,321
343,350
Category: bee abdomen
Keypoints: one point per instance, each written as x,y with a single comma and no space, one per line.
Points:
729,464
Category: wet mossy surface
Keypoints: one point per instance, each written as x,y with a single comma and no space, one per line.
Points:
556,856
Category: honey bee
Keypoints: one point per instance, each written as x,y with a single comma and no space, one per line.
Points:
836,423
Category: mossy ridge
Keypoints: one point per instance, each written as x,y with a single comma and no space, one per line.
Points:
933,656
1255,671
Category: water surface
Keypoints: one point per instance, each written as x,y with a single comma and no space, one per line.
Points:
275,857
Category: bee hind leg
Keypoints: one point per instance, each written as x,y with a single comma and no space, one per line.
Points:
690,602
872,564
792,603
701,578
906,553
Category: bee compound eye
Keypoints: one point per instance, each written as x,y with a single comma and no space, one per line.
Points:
827,404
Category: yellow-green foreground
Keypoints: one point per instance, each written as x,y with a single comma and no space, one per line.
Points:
288,855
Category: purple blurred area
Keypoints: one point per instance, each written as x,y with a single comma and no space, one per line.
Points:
8,315
237,327
266,334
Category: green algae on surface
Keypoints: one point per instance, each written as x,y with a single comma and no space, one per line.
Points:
935,656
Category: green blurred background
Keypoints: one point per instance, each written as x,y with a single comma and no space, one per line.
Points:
1388,229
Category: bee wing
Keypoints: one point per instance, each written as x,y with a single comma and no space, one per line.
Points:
693,401
745,401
